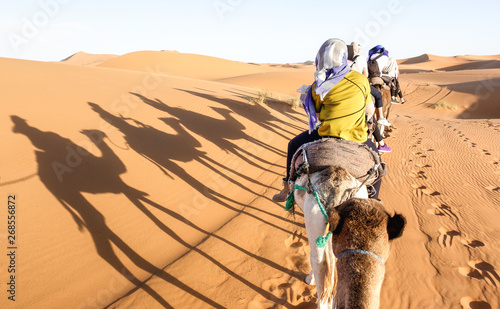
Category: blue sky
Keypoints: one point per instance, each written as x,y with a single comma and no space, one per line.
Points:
245,30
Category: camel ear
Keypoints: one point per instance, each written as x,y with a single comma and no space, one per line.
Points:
333,219
395,226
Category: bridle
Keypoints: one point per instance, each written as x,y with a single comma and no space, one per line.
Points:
359,251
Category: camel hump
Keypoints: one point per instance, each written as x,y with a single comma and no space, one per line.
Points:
358,159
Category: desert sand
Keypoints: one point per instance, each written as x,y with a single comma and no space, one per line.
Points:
145,181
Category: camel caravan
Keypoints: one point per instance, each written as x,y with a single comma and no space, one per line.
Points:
334,175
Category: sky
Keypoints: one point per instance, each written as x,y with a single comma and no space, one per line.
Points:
281,31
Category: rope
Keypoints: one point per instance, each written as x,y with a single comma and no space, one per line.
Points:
290,200
370,174
321,241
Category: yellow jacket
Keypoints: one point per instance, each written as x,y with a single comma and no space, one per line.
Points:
342,111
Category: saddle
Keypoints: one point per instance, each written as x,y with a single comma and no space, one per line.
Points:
358,159
382,82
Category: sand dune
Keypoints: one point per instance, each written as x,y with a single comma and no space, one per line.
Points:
184,65
285,81
146,182
83,58
428,62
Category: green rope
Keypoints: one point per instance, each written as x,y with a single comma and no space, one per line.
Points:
290,200
321,241
323,210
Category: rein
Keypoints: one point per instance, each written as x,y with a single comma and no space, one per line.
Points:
352,251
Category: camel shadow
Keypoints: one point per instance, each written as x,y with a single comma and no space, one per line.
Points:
163,149
257,114
67,170
279,106
221,133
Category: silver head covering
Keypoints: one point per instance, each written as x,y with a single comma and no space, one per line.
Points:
331,55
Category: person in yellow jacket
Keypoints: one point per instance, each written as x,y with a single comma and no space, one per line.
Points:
338,99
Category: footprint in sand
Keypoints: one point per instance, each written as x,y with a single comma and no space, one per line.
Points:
287,289
471,243
473,145
419,154
472,303
486,152
445,238
481,270
298,259
294,293
422,165
493,188
442,210
419,190
419,174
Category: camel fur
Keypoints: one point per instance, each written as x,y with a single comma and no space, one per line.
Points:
361,224
333,185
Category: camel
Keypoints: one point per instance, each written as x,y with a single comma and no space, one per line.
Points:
358,224
331,184
362,232
324,184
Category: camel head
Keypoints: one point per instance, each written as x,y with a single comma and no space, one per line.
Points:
362,233
20,124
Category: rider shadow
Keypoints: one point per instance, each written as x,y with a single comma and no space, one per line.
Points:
221,131
85,172
68,170
162,149
279,106
256,114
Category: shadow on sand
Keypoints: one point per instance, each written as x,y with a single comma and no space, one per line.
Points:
68,170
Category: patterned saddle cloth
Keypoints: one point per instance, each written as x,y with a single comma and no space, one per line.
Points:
356,158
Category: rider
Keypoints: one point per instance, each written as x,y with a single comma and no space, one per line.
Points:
392,72
339,97
359,64
380,55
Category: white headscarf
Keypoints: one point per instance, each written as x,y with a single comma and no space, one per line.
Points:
331,67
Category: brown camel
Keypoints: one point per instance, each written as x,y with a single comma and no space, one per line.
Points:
362,234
